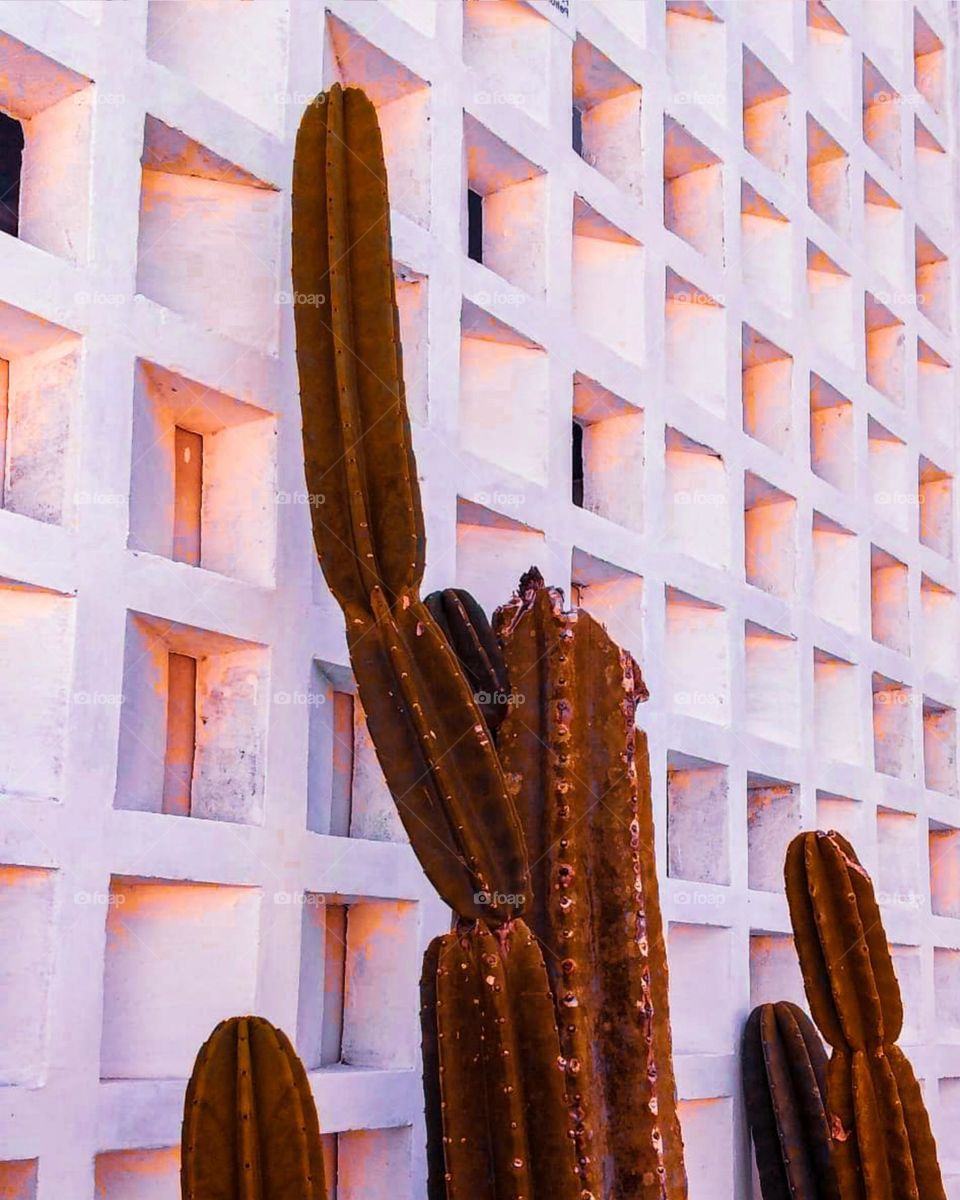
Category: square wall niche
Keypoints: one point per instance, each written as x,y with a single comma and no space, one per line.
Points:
881,117
929,63
889,600
836,573
828,178
511,208
493,551
948,1104
696,57
829,58
836,708
708,1141
612,453
402,101
692,190
504,395
933,282
40,380
412,290
935,395
842,813
180,956
607,265
935,496
830,305
698,819
209,241
766,114
885,348
18,1179
611,595
193,722
946,992
358,981
369,1164
697,665
607,110
892,479
898,859
236,53
773,820
47,201
695,343
774,967
938,623
331,760
771,685
698,506
137,1174
36,669
883,233
27,923
766,382
373,811
770,537
932,171
203,477
832,454
908,968
766,248
697,954
508,48
939,747
892,727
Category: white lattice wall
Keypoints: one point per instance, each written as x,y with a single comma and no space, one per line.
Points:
741,290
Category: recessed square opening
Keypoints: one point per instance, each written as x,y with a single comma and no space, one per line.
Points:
935,395
898,860
766,114
698,513
331,762
27,921
697,668
836,573
830,304
892,727
692,190
179,958
607,265
513,192
770,536
836,708
831,434
908,968
696,953
698,819
883,233
885,347
358,980
933,282
412,289
889,592
612,595
944,848
842,813
708,1144
373,810
694,319
609,105
881,116
508,48
939,747
829,58
610,454
895,496
696,57
932,171
935,494
137,1174
766,246
189,501
369,1164
504,394
18,1178
929,63
946,993
771,684
828,178
493,551
209,240
193,722
939,615
766,390
774,969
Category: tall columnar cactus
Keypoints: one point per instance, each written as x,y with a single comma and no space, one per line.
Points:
431,738
250,1128
883,1148
579,770
496,1107
784,1089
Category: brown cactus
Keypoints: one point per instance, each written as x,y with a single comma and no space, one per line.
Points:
579,770
883,1148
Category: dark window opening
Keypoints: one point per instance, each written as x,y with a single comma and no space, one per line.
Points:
474,225
578,130
11,164
578,464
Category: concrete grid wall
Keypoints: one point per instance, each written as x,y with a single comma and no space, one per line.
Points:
741,290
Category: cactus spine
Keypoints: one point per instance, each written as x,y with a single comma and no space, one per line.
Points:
883,1148
250,1127
580,773
784,1088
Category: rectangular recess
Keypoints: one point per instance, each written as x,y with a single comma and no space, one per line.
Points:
697,953
698,819
774,818
774,969
178,758
28,898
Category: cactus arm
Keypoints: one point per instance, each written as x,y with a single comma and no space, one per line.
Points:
761,1113
430,1057
466,628
807,1062
923,1147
